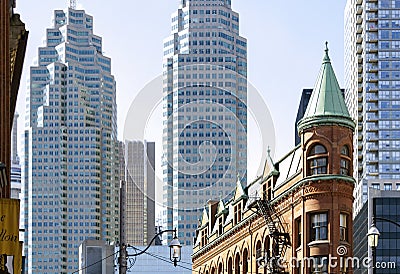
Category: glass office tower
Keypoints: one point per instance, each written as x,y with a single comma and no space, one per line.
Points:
70,160
204,111
372,82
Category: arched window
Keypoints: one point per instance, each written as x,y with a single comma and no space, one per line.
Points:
213,270
317,160
245,261
259,257
345,161
230,266
237,264
220,269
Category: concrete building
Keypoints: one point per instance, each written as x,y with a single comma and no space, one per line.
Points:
299,211
71,171
140,192
372,81
13,40
383,202
96,257
204,110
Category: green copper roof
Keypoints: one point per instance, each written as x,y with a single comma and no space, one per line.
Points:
326,105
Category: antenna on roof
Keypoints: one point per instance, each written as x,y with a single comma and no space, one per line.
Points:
72,4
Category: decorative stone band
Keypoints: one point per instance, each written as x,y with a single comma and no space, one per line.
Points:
326,120
314,178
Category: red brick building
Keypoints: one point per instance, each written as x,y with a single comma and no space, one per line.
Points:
298,213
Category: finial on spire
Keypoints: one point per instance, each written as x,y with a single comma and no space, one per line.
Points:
269,151
326,57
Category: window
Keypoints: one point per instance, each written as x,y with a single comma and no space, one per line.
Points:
387,187
319,265
204,237
238,213
376,186
317,160
298,228
319,226
343,227
220,226
345,161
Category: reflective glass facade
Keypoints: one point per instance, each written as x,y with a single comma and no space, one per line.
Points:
372,82
389,241
70,159
204,111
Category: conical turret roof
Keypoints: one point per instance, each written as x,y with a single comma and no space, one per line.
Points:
326,105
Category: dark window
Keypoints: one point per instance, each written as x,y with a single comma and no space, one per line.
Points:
345,161
319,226
317,160
298,228
319,265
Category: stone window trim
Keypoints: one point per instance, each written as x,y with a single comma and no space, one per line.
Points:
319,227
317,160
345,161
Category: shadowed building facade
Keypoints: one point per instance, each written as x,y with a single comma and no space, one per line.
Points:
13,39
300,208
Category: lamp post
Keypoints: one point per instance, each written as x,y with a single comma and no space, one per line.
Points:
175,248
373,236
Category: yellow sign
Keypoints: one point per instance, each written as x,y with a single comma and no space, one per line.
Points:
10,247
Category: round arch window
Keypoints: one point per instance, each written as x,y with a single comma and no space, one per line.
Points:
317,160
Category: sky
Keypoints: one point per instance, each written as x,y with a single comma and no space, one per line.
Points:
286,41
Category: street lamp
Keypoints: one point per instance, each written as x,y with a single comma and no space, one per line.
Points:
175,250
373,236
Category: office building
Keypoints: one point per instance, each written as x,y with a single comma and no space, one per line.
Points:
372,81
383,202
71,169
140,192
299,210
204,111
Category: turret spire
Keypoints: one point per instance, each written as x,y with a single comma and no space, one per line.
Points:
326,104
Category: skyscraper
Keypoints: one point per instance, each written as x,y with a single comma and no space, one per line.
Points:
372,82
15,164
140,192
71,165
204,110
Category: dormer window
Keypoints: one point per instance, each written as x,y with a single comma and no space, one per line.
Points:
220,225
345,161
317,160
237,213
204,237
